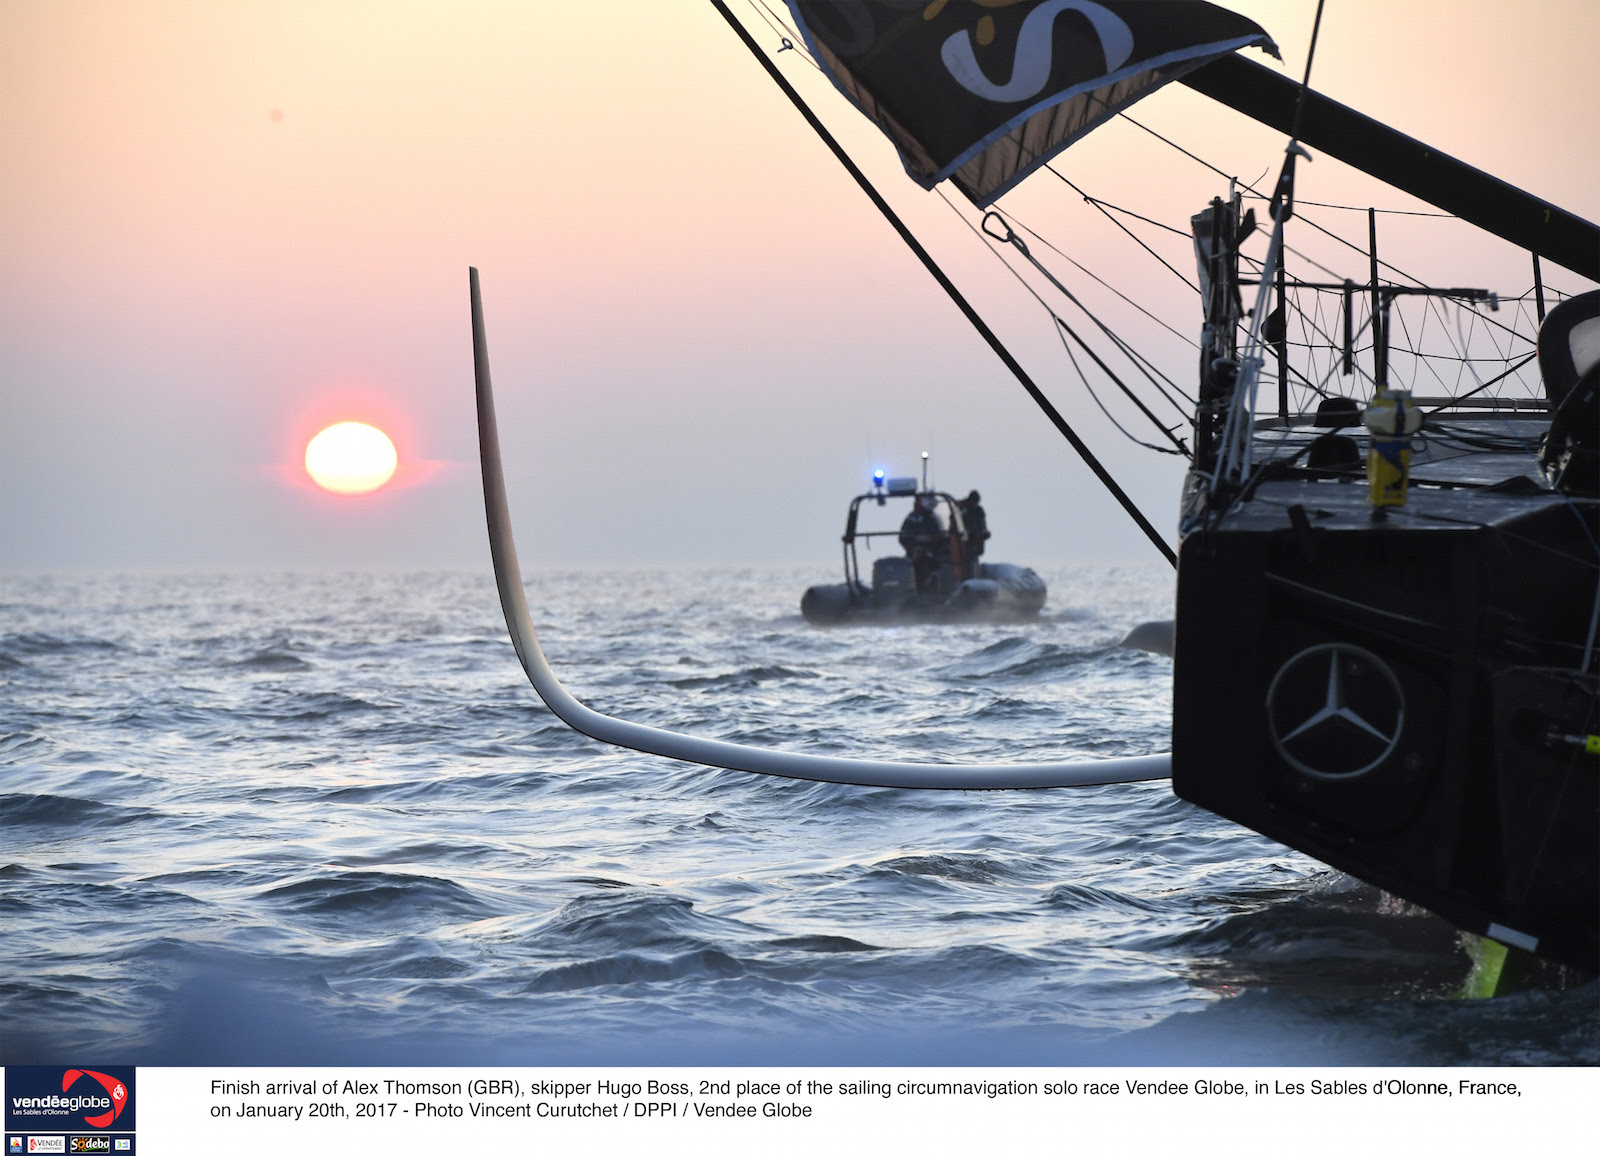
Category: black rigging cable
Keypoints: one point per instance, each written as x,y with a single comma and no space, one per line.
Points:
1137,240
949,287
1009,237
1143,364
1045,241
1063,330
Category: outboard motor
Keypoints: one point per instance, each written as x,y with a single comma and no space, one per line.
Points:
893,576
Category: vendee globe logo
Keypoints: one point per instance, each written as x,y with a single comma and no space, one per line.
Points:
115,1089
48,1098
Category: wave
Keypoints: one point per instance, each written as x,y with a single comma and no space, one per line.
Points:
22,810
39,643
825,944
753,676
636,969
1020,658
1081,897
1338,939
956,868
319,818
377,894
278,661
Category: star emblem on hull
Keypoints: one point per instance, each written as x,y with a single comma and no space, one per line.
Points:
1335,711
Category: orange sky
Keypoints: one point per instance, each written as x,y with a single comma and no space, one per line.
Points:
226,225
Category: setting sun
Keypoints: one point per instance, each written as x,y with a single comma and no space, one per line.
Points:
351,458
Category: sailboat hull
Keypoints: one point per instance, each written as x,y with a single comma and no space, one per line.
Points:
1402,698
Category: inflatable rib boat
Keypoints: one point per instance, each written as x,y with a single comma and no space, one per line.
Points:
936,575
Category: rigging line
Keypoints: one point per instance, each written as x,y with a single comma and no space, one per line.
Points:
1097,201
1062,325
1420,355
1302,217
1106,369
1151,371
1464,343
1305,82
1456,401
1327,339
1128,351
1307,322
1306,382
1089,389
1309,260
1388,212
1472,305
1425,362
1137,240
773,21
1179,334
1512,330
1198,160
1138,359
949,287
1262,196
790,36
1505,352
1148,368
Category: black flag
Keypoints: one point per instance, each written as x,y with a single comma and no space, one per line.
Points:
984,91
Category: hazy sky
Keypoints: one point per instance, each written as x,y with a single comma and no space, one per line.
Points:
224,226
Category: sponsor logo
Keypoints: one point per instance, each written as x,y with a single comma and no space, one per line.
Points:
15,1145
42,1099
115,1088
124,1144
89,1144
47,1143
1335,711
1031,66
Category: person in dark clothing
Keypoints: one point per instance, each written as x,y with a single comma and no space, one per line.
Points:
922,535
977,526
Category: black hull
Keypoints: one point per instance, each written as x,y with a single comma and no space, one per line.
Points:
1001,593
1400,698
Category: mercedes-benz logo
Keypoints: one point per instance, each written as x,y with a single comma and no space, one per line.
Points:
1335,711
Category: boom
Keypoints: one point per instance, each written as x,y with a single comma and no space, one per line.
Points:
1404,162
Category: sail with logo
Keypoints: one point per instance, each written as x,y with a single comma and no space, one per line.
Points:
982,94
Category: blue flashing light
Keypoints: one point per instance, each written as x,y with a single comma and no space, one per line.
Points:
877,477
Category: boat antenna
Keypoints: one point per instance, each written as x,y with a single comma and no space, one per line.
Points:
924,469
1283,195
949,287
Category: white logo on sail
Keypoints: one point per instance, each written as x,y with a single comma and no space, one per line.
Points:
1030,68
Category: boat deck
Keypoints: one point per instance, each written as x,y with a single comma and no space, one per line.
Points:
1469,469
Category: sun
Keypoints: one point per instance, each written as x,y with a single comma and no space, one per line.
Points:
351,458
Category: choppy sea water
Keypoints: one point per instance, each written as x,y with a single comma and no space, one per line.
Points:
290,819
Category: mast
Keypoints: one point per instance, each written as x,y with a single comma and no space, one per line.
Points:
1404,162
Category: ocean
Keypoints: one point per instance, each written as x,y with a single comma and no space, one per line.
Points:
322,819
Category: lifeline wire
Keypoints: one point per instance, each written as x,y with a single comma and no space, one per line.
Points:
1062,329
949,287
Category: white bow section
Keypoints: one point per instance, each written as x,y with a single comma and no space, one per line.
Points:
713,752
